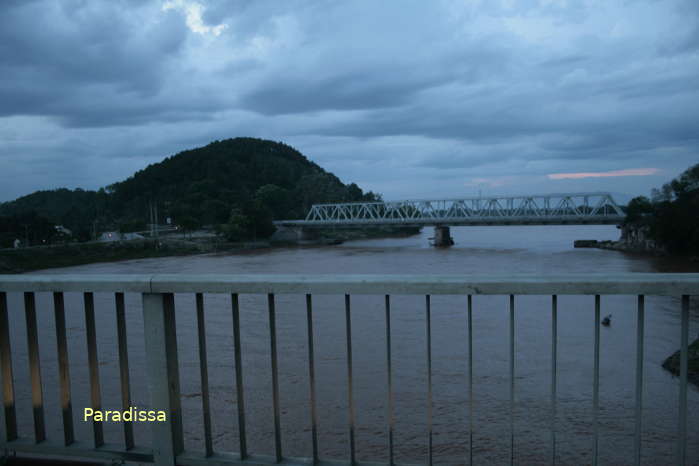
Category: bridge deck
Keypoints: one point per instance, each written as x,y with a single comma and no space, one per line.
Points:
486,221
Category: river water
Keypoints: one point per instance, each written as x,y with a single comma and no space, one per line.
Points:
523,249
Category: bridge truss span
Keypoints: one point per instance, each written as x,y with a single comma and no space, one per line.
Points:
572,208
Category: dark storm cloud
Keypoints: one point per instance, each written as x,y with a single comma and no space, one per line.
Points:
394,83
444,92
354,91
57,55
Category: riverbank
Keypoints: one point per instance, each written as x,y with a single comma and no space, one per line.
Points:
66,255
349,234
621,245
646,248
633,238
70,254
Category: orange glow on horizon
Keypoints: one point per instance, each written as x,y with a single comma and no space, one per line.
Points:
627,172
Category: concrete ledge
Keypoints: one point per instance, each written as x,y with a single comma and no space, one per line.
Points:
81,450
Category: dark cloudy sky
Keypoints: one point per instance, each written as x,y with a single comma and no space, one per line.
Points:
408,98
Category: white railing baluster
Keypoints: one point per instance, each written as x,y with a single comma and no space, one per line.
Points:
63,368
350,394
428,343
512,379
275,379
239,392
554,370
312,378
595,386
684,353
470,380
34,367
639,379
389,382
8,386
124,377
204,375
93,366
163,375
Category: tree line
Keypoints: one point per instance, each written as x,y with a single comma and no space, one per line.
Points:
671,215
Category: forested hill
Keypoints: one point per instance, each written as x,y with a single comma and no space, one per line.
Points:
251,180
206,183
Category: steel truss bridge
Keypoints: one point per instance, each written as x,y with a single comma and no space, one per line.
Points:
548,209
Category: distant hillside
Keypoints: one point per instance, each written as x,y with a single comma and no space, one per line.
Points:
60,203
30,218
244,178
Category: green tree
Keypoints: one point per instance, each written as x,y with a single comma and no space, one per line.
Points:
261,220
275,199
132,226
214,212
188,224
638,208
251,222
237,227
672,214
354,193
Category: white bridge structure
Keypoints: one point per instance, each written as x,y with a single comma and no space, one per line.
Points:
592,208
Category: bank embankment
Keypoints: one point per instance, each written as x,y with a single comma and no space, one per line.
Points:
620,245
70,254
634,238
349,234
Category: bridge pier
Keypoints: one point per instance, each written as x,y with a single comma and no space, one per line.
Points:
442,237
292,235
308,234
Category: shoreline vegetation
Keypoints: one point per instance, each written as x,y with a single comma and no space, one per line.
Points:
666,224
647,248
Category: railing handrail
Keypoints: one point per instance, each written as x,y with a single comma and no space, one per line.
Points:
484,284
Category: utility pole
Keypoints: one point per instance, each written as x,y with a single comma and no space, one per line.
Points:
153,208
157,233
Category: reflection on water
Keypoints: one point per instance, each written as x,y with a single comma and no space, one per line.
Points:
477,250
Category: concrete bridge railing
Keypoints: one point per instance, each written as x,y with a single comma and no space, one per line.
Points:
157,302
